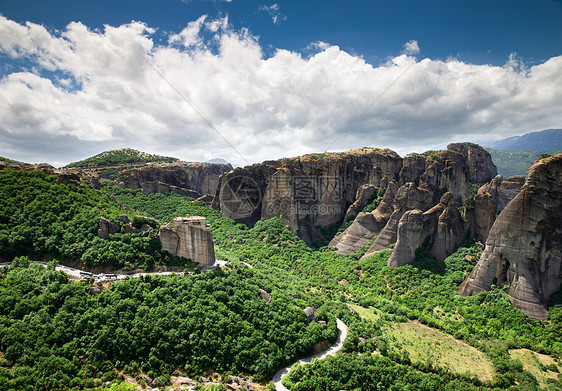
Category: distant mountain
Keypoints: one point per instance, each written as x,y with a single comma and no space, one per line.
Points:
119,157
218,160
546,140
516,161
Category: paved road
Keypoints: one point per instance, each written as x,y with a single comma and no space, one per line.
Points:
76,273
342,335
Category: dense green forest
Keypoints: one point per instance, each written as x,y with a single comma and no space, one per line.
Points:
408,327
59,335
120,156
45,220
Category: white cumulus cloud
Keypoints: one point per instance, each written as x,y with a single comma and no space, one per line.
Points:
411,47
91,90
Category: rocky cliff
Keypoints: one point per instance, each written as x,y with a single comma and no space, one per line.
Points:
480,210
423,180
190,179
439,228
310,193
366,225
190,238
524,246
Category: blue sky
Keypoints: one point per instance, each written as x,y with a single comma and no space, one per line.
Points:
480,32
485,64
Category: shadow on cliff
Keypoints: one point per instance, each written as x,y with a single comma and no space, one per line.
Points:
425,260
555,302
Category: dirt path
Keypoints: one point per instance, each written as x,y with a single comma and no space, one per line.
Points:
342,334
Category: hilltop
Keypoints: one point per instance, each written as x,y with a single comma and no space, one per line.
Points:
119,157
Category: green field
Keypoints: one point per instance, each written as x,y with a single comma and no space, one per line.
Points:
542,366
515,161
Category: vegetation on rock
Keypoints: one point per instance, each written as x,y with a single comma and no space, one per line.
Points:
119,156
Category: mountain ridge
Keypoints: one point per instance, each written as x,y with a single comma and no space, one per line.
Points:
543,140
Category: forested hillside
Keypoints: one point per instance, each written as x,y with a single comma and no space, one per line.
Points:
59,335
46,220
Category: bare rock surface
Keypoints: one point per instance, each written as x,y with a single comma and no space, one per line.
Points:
179,177
310,313
408,197
440,227
433,173
309,193
107,228
524,247
366,225
265,296
190,238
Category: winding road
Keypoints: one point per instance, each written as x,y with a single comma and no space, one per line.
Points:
342,334
342,327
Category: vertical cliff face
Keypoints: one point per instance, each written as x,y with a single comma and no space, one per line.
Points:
240,192
479,161
451,170
524,247
481,209
440,228
425,179
408,197
189,238
480,214
366,225
202,178
309,193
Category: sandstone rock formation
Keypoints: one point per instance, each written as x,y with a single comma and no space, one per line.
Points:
68,179
190,238
366,225
265,296
431,174
107,228
161,187
480,211
179,177
479,161
310,313
309,193
480,214
440,227
408,197
503,190
206,198
524,247
451,170
364,194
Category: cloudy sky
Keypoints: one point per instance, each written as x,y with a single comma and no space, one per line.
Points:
249,80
